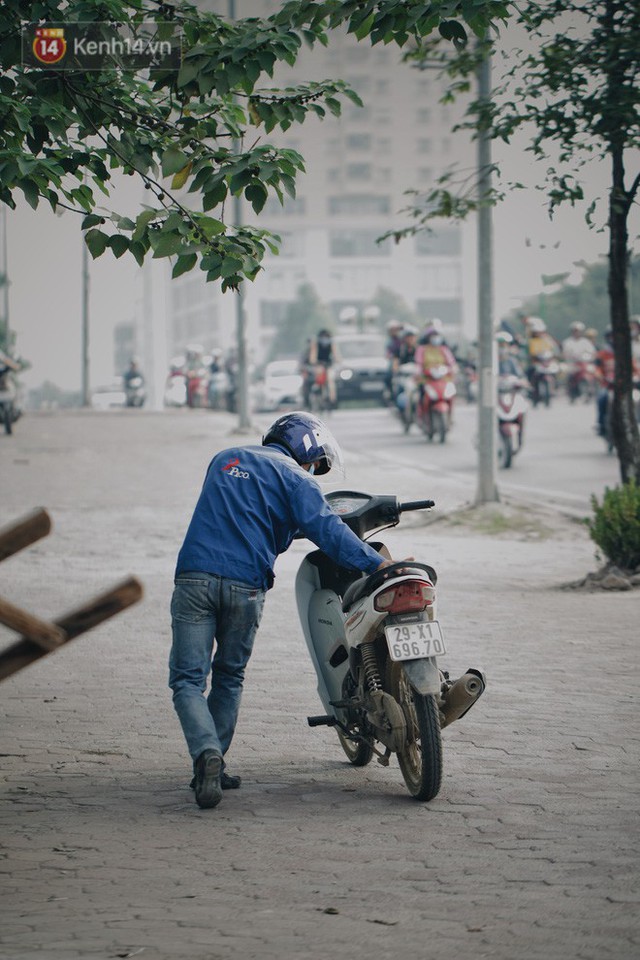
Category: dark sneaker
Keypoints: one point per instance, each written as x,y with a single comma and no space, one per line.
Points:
207,786
227,782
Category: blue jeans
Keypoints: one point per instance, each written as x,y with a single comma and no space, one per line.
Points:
205,607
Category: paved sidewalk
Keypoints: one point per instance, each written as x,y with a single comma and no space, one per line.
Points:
530,850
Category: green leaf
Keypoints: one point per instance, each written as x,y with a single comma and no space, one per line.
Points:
257,195
97,242
210,226
142,222
173,161
165,244
31,192
184,264
118,244
91,220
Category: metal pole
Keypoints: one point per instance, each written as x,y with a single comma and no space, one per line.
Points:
487,491
86,400
241,332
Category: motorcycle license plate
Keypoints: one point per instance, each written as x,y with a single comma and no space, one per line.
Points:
412,641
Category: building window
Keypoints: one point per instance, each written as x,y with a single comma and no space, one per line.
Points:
290,207
449,311
359,204
426,176
358,141
357,243
359,171
424,145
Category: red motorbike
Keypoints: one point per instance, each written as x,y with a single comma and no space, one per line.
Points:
435,405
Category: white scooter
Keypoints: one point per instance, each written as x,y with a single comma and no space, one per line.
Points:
511,411
374,642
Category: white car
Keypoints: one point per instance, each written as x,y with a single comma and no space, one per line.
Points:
109,396
281,386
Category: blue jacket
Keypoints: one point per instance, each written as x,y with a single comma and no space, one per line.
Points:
253,501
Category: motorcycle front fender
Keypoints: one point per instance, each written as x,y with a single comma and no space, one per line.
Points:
423,675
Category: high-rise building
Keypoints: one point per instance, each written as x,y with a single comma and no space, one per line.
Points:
359,168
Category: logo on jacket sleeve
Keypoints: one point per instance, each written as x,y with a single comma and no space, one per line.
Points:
232,469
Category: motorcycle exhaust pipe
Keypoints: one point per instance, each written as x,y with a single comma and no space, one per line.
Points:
461,696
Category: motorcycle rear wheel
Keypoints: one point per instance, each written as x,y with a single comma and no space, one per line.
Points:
421,759
359,752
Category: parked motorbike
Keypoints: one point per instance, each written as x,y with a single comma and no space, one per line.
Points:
435,406
134,391
374,643
545,369
511,410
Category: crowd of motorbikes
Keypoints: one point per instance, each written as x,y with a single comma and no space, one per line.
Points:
424,395
197,379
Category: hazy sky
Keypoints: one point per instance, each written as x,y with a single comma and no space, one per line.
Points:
44,259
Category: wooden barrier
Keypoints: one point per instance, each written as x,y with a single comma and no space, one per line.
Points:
39,637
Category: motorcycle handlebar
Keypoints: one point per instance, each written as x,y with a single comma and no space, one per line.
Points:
416,505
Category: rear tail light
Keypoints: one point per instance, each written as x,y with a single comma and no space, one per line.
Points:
405,597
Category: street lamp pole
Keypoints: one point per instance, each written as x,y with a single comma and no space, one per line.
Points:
487,491
86,401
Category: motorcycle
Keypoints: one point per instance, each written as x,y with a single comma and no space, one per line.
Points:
404,392
435,406
134,392
581,382
374,642
511,410
545,369
9,411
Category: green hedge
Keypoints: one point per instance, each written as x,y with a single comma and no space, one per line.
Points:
615,525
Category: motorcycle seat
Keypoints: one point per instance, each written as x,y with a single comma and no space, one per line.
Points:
367,584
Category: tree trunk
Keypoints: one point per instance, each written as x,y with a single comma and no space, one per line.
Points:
624,424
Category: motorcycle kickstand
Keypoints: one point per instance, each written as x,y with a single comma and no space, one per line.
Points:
383,758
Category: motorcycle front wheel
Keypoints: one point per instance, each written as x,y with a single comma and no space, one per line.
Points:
505,451
421,759
439,422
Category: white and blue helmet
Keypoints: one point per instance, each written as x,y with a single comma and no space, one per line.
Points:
307,439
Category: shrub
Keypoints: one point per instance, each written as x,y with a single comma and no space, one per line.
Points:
615,526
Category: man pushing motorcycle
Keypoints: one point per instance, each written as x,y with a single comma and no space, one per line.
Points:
253,502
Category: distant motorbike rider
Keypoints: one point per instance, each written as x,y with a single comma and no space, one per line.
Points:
432,351
577,349
605,362
254,500
324,353
539,344
508,364
133,371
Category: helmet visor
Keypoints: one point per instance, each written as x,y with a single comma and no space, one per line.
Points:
330,458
